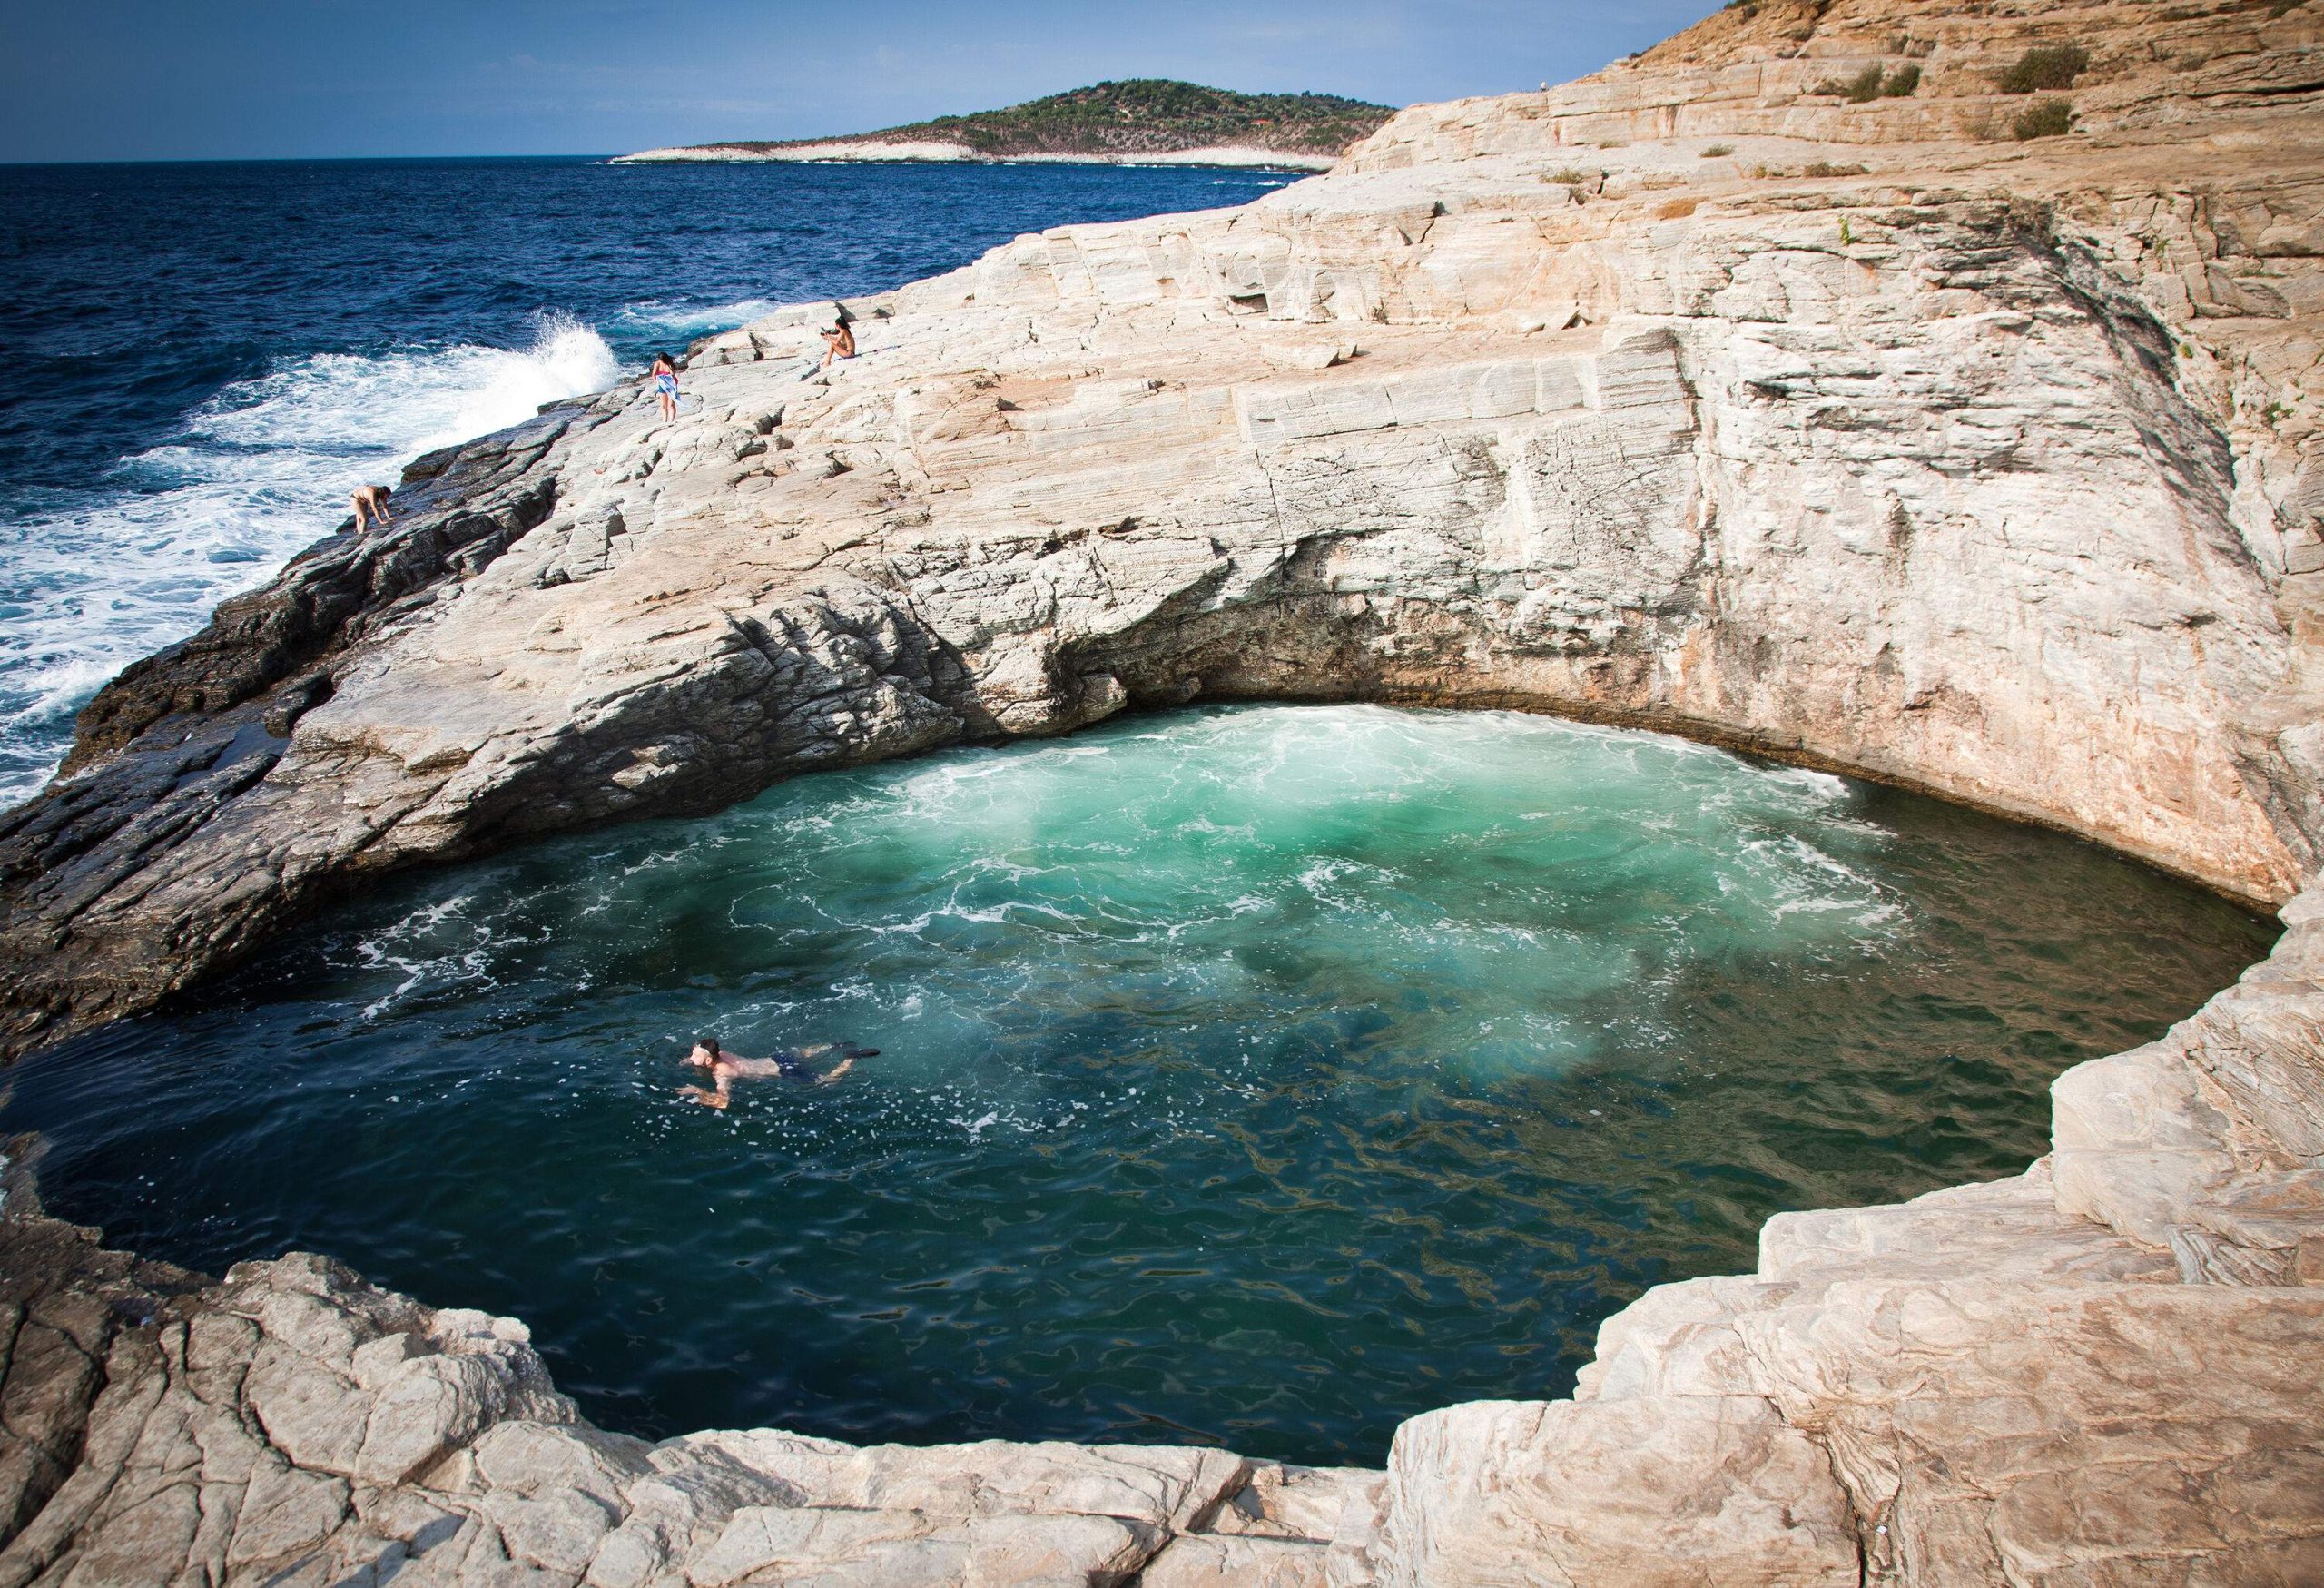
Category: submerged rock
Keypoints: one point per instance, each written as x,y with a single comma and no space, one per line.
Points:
1690,395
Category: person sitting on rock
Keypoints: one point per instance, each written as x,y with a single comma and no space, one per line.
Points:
839,342
790,1065
371,505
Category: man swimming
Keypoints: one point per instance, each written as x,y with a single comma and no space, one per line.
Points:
790,1065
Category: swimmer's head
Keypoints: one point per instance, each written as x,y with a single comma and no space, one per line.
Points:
706,1051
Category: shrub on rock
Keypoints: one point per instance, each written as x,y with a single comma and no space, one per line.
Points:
2045,66
1872,83
2047,119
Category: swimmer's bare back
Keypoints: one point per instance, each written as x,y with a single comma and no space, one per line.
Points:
787,1066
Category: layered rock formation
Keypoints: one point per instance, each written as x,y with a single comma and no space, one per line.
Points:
1686,395
1989,470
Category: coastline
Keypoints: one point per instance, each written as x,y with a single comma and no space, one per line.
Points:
846,152
1956,464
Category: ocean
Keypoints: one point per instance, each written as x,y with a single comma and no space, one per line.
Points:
199,362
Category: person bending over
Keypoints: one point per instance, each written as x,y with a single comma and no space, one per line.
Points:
371,505
727,1068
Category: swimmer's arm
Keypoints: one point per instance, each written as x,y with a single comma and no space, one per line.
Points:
708,1099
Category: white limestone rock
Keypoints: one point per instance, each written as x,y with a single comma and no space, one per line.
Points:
1570,1495
1988,468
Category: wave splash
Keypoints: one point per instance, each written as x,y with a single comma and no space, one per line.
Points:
92,580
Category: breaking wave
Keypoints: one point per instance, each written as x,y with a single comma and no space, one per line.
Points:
91,580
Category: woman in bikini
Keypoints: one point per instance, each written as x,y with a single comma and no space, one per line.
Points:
839,342
664,376
372,505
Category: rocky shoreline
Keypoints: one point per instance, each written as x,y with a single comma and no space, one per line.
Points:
1691,395
882,152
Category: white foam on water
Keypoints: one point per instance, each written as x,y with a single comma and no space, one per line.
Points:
1823,784
432,949
88,586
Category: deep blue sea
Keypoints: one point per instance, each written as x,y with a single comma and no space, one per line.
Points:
199,362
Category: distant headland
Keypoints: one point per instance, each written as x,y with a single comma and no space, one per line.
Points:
1145,121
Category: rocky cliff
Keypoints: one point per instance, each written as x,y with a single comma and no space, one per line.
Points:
1767,386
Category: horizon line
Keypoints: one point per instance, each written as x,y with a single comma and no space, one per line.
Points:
290,159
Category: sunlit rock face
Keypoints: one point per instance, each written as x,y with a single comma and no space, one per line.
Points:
1990,467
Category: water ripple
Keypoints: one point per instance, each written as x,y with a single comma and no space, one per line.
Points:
1262,1075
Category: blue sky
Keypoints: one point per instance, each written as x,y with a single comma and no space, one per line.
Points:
225,79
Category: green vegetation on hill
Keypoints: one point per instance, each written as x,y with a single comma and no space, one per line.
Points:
1144,115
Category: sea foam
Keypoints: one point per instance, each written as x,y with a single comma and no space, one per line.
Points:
92,580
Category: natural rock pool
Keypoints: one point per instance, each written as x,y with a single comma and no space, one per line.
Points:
1253,1074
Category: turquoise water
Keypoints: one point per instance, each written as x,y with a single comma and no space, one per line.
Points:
1253,1074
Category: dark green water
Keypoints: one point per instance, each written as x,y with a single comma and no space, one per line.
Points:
1262,1074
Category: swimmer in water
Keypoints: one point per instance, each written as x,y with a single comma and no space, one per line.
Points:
790,1065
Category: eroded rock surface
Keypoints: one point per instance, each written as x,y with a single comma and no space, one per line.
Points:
2070,1376
295,1425
1686,395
